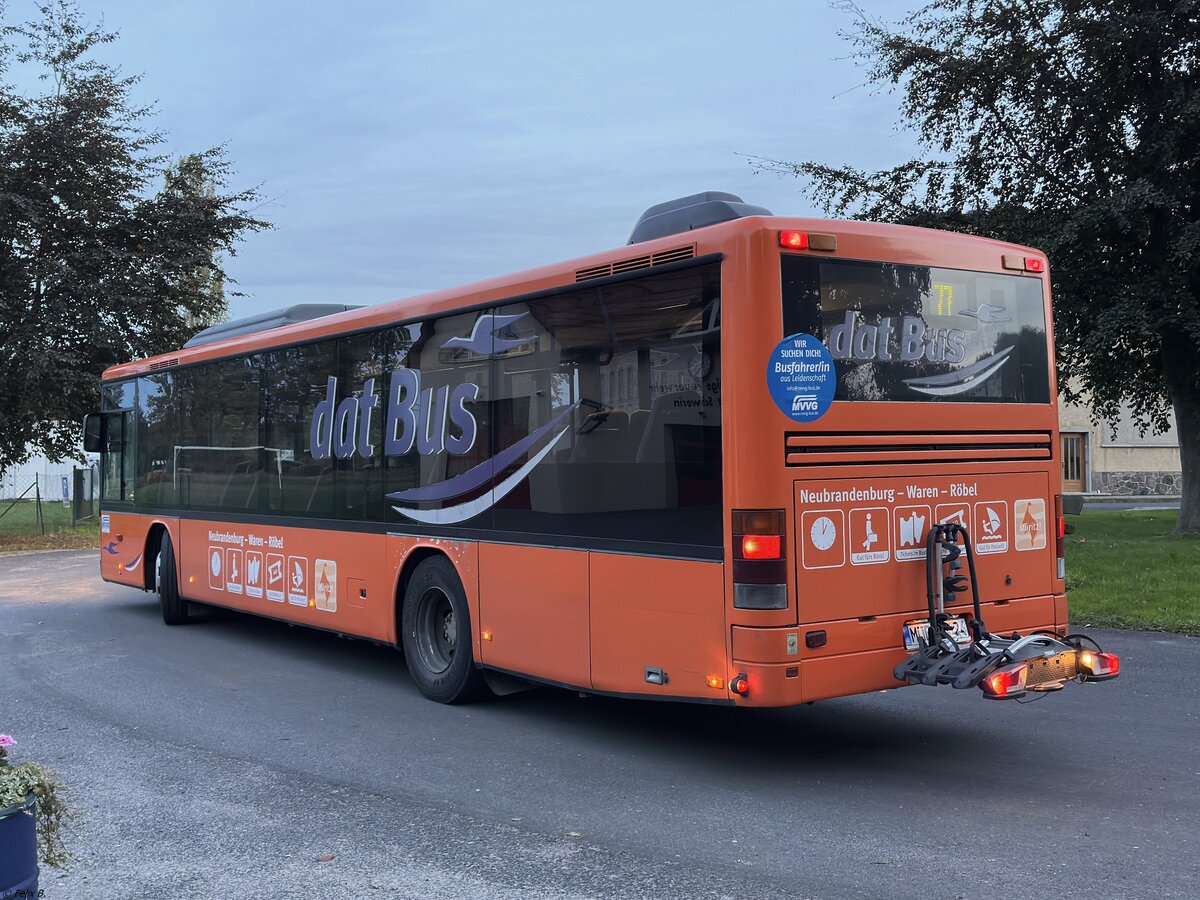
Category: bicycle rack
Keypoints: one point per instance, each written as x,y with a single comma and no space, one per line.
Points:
1002,667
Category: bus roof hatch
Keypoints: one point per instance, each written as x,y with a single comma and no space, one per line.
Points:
289,315
688,213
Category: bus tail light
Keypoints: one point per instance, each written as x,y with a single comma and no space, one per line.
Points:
801,240
1097,666
762,546
1005,683
759,559
1060,539
1023,263
740,684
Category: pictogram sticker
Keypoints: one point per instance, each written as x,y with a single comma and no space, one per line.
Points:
823,539
870,536
991,527
912,522
254,573
216,568
233,570
276,577
297,580
1029,524
953,514
325,584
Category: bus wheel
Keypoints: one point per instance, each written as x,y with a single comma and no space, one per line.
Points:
166,577
437,634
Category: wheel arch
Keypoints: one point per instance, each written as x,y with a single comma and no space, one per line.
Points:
415,557
150,552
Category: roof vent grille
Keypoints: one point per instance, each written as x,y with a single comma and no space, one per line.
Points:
636,262
163,364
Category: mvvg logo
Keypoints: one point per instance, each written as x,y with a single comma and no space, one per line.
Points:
805,403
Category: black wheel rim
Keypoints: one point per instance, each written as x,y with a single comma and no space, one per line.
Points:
436,635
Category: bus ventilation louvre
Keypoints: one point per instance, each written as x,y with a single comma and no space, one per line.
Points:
883,448
637,262
1004,668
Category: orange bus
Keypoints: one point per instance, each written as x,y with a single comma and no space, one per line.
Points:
742,460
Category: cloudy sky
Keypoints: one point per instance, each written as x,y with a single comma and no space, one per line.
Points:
409,146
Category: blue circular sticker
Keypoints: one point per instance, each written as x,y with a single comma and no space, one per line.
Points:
801,377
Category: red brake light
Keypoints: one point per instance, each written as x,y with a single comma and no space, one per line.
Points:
793,240
762,546
1033,264
740,685
1006,682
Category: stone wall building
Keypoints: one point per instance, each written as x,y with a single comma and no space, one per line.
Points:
1097,460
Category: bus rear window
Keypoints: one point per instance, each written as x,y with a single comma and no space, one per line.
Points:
899,332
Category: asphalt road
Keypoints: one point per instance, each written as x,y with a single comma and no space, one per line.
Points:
242,758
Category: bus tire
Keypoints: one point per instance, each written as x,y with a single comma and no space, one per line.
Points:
437,636
174,607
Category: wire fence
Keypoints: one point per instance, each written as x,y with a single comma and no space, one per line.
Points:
41,508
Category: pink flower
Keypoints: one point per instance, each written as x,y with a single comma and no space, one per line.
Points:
6,741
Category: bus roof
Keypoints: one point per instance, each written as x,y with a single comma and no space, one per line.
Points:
857,240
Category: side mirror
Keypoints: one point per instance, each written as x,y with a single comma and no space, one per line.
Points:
93,432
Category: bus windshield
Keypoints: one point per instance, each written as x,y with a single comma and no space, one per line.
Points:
902,332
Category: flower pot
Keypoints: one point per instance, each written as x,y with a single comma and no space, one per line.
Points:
18,851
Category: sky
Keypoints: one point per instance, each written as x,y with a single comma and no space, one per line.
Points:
404,147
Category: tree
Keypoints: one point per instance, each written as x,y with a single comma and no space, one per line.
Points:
96,265
1072,126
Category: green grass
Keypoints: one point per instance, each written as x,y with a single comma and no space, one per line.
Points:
19,529
1127,570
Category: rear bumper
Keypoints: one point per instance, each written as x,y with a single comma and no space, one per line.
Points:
821,678
858,655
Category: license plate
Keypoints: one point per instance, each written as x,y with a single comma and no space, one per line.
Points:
917,629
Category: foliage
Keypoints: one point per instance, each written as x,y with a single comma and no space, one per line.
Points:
1072,126
18,783
108,250
1127,570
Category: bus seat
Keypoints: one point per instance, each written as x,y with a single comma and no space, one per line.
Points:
637,427
608,442
656,451
676,408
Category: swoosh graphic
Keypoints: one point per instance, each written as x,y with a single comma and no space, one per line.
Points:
987,313
478,475
962,380
461,512
111,547
131,566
